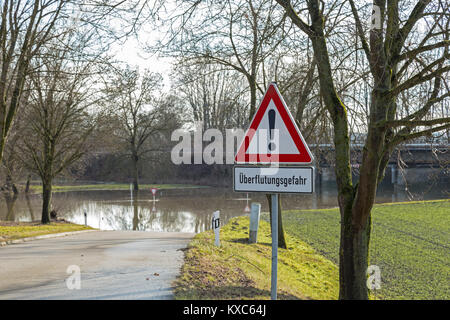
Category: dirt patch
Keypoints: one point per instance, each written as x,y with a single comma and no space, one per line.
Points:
214,280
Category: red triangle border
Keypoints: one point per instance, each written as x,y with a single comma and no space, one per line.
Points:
303,157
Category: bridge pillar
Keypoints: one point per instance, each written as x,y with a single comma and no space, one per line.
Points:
318,180
394,174
394,181
315,200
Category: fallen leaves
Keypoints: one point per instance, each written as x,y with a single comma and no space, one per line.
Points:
155,274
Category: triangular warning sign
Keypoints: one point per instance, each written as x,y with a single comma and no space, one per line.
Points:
273,136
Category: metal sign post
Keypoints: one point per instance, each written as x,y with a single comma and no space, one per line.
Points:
254,222
273,291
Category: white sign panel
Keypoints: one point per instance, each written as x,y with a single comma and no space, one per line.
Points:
273,180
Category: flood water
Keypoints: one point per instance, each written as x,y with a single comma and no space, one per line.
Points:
181,210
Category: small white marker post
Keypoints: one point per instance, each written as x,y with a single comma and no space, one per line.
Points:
254,222
154,190
216,227
131,191
273,291
154,193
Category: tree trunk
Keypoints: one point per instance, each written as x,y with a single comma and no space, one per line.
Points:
46,200
27,188
281,238
135,160
135,212
356,214
353,251
30,208
353,259
252,83
10,202
11,194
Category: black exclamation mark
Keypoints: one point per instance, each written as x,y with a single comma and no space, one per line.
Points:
272,145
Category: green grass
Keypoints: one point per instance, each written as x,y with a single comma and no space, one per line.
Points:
32,229
238,270
112,186
410,243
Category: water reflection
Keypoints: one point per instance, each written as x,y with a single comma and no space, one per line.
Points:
169,213
188,210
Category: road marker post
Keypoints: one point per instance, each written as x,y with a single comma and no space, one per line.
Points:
131,191
254,222
216,227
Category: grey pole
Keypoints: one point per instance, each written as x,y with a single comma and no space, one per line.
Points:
254,222
85,218
131,191
273,293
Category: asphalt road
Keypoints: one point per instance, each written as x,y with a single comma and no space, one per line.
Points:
112,265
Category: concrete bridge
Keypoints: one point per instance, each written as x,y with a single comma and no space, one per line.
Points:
410,162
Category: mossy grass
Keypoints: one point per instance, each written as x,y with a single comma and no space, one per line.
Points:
19,230
238,270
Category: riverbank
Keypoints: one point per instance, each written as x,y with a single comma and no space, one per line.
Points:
112,186
238,270
20,230
409,243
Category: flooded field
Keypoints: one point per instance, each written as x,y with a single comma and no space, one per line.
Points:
180,210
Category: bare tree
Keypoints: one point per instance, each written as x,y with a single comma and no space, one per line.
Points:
24,27
407,47
214,95
133,100
237,35
12,169
57,112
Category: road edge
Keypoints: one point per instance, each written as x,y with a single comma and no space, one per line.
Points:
44,236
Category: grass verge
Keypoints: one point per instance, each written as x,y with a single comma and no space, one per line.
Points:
19,230
113,186
238,270
410,242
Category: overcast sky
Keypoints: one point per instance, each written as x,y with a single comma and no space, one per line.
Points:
132,54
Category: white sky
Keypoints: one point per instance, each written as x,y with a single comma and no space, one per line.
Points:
132,54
